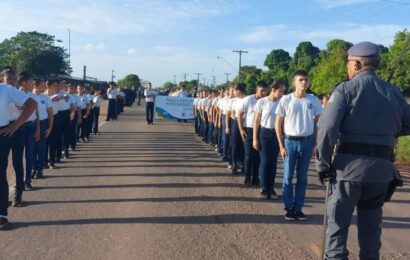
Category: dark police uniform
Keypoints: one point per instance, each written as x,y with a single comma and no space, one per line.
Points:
363,117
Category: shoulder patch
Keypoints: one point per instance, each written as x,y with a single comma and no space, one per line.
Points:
340,82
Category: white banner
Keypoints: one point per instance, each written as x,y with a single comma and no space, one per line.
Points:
173,107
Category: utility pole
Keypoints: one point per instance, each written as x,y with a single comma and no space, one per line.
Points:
185,74
240,62
175,80
214,81
69,46
227,77
204,82
197,83
112,76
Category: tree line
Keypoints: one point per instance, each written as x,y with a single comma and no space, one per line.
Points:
326,67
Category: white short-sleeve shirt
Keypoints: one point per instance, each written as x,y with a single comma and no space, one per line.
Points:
97,101
9,95
299,114
236,107
249,103
56,104
150,93
112,94
267,109
44,103
65,101
84,101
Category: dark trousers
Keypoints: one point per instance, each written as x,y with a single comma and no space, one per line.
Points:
220,133
4,186
29,149
205,128
96,115
64,140
226,141
236,144
211,130
269,151
53,139
89,124
17,150
82,128
73,131
252,160
197,122
112,109
40,147
149,112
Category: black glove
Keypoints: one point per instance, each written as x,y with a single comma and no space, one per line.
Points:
326,176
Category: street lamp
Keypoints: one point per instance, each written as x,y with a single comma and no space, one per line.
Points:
229,64
69,46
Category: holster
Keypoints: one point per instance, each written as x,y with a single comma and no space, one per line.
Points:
396,182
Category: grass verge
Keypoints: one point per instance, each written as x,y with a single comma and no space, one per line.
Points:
403,150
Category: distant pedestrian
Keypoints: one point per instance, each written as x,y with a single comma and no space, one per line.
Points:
150,95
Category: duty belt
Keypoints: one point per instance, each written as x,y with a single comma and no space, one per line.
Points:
298,138
372,150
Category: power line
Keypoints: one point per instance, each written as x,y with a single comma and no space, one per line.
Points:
240,52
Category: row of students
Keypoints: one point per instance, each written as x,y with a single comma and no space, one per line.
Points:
251,131
42,121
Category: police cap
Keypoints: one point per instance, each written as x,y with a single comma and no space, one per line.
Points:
364,49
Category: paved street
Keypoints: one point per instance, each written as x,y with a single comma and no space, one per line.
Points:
158,192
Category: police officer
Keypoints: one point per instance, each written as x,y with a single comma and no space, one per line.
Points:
363,117
96,111
9,94
112,103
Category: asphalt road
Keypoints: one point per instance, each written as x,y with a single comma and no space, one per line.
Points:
157,192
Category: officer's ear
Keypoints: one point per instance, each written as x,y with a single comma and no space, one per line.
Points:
357,65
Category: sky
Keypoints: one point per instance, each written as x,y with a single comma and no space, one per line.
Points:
157,39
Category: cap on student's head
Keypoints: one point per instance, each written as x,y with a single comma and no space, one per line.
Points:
364,49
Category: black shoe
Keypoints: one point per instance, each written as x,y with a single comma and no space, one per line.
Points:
290,215
300,216
39,174
33,174
255,182
28,186
274,195
247,182
224,159
87,139
3,222
51,166
17,202
83,139
264,194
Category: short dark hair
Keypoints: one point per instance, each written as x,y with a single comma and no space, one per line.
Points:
7,71
371,62
302,73
23,77
261,84
51,81
277,84
241,87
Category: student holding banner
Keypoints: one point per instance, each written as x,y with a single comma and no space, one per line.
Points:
150,95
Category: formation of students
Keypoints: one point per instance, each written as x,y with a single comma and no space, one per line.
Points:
44,121
250,132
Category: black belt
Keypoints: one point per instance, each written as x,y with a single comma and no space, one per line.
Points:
372,150
299,138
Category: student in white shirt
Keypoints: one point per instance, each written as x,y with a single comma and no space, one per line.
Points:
85,112
46,117
11,128
52,91
76,116
67,108
112,103
245,123
150,95
194,112
32,125
226,125
237,149
296,117
264,138
96,111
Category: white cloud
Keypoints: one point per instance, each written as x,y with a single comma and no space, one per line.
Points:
336,3
94,47
132,51
284,36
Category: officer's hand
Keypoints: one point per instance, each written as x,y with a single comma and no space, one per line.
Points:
255,145
9,131
283,152
48,132
37,135
326,176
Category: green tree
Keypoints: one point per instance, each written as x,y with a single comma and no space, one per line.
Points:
34,52
130,81
277,59
331,68
401,77
305,58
